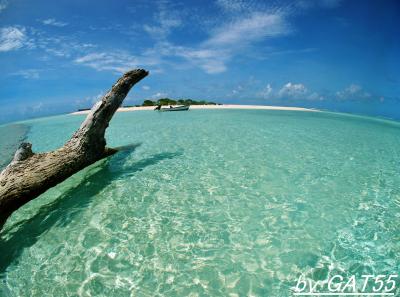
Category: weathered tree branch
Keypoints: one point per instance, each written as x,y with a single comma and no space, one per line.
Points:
30,175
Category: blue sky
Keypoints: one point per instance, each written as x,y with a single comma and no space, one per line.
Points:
57,56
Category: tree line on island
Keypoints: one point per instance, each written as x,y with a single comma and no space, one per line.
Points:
168,101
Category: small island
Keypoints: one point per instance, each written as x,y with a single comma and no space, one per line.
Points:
162,102
194,104
168,101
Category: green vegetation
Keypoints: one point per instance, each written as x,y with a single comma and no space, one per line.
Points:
168,101
148,103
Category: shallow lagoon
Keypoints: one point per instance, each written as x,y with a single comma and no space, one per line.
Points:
213,203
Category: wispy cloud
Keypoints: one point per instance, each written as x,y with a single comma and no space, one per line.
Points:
165,20
238,32
117,61
240,29
315,96
163,28
234,38
159,95
53,22
145,87
29,38
234,35
298,91
237,90
353,92
231,6
242,25
3,5
266,92
307,4
228,40
89,100
256,27
210,60
11,38
108,61
243,7
291,90
62,47
15,37
27,73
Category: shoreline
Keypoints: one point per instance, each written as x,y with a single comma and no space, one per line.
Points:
222,106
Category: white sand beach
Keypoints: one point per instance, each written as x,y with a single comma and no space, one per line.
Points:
222,106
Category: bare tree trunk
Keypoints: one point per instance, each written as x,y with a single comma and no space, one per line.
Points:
30,175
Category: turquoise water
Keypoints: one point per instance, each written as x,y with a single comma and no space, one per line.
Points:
211,203
10,137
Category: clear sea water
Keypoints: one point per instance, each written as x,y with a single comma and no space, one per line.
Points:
209,203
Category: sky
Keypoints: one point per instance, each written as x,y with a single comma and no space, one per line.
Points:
58,56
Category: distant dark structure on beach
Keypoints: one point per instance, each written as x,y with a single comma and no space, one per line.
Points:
168,101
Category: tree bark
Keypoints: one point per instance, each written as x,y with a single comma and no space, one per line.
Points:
30,174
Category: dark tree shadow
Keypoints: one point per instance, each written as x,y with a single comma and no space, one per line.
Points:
62,211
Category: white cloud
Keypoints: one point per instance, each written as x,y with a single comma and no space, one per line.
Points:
266,93
210,60
88,102
224,43
315,96
299,91
54,22
352,92
231,34
307,4
291,90
146,88
58,52
3,5
165,21
61,46
199,57
16,37
115,62
237,90
242,32
242,7
233,5
213,66
159,95
37,107
27,73
352,89
163,29
11,38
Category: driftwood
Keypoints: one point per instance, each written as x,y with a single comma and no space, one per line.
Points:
30,174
